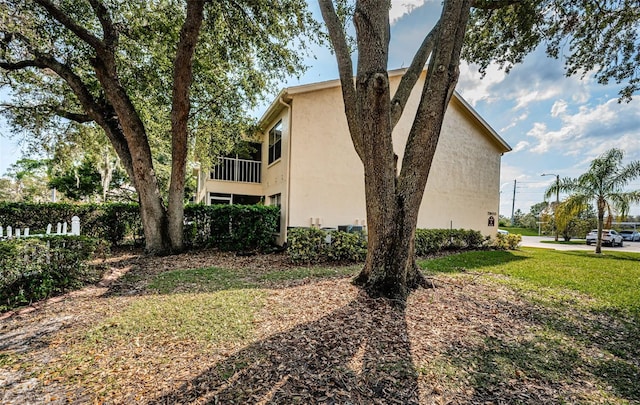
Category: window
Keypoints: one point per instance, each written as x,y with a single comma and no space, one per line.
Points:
275,142
276,200
219,198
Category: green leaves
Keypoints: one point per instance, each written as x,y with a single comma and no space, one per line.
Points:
245,48
592,36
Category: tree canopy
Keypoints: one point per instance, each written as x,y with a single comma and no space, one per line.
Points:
599,37
149,74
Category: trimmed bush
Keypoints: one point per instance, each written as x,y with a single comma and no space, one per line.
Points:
347,247
231,227
307,245
35,268
117,223
507,242
431,241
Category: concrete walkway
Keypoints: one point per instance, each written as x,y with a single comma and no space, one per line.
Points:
536,241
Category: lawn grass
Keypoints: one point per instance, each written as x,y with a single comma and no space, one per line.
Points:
205,279
612,280
521,231
564,242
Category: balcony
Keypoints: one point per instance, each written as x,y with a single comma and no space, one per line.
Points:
238,170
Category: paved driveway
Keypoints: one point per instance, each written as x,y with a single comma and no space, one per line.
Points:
535,241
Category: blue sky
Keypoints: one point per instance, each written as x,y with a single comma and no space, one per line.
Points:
554,124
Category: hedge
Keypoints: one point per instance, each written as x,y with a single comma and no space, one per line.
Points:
431,241
117,223
231,227
35,268
228,227
312,245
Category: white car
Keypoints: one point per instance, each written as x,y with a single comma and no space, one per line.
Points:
630,235
609,237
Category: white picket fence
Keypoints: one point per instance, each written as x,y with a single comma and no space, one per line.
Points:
61,229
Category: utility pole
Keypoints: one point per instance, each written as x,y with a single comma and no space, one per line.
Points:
513,203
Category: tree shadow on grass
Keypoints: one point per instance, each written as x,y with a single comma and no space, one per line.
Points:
606,254
569,357
357,354
470,260
204,271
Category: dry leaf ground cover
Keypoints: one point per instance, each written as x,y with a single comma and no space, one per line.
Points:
524,327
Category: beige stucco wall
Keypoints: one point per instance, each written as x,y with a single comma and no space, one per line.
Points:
326,186
327,180
274,176
231,187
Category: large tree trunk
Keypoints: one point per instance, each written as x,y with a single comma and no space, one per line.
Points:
393,200
182,77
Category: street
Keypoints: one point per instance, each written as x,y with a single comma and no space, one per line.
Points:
536,241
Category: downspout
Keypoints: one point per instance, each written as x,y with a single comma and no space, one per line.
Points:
288,175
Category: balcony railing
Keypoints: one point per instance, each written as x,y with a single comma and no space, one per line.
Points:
240,170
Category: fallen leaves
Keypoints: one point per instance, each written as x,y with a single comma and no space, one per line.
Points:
312,340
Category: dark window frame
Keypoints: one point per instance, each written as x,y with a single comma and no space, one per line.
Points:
275,143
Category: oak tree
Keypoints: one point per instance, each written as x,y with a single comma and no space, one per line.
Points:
600,35
147,73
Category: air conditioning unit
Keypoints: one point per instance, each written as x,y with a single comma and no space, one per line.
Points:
350,228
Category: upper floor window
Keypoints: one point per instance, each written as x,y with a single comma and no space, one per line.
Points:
275,142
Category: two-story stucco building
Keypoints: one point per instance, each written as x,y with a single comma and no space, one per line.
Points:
305,163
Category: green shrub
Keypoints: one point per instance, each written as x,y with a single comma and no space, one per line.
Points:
231,227
431,241
228,227
35,268
307,245
117,223
347,247
507,242
310,245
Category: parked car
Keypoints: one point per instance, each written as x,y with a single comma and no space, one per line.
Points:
609,237
502,231
633,236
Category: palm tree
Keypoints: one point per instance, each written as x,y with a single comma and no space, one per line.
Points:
603,184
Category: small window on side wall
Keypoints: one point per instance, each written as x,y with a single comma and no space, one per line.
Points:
275,142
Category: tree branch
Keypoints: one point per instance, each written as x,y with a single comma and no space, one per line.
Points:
72,116
442,75
412,74
343,56
108,29
21,65
71,25
493,4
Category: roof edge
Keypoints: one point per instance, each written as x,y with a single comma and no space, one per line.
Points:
286,95
499,140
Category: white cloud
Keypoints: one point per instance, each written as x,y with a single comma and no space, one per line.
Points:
522,145
474,88
590,131
515,121
526,96
402,7
559,107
